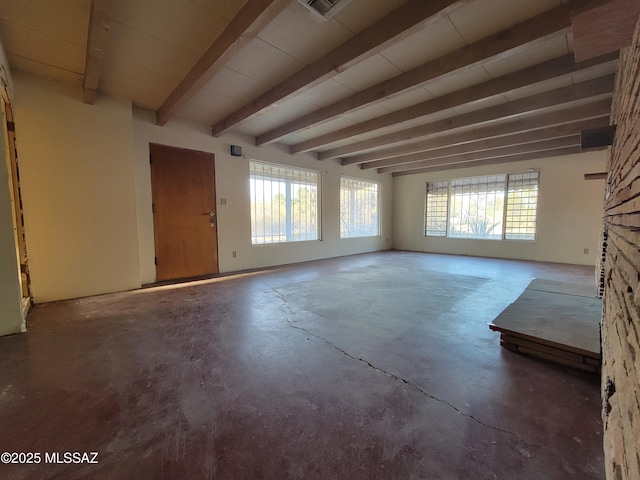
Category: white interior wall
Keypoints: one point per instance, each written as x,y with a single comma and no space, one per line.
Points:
570,212
87,198
78,190
11,319
232,184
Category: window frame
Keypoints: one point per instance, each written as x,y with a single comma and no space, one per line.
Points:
378,217
513,217
438,188
287,191
510,235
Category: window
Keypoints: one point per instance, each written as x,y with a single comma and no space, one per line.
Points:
477,207
284,203
437,207
522,206
359,213
493,207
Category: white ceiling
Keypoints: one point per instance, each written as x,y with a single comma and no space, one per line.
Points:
152,45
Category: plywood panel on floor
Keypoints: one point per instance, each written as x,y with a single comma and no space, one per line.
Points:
556,321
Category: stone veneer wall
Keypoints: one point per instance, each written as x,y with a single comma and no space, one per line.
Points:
621,302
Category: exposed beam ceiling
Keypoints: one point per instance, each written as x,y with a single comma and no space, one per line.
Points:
97,37
398,24
414,160
519,157
556,21
396,86
598,109
497,152
250,20
527,105
556,68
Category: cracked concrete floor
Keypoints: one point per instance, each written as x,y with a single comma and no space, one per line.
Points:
376,366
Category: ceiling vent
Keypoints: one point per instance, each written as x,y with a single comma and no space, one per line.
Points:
325,8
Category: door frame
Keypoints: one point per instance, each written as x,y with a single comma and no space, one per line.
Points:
214,209
13,171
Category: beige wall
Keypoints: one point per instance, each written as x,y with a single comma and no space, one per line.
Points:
569,212
11,319
78,190
232,184
87,198
87,193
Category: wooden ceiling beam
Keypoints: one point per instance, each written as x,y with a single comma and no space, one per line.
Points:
398,24
558,152
504,151
506,42
596,176
552,69
549,133
524,106
601,27
97,38
598,109
244,27
598,138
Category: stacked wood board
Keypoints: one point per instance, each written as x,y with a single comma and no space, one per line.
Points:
554,321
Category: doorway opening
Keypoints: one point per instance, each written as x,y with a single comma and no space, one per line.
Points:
16,201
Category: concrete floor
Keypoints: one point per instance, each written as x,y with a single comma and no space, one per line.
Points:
375,366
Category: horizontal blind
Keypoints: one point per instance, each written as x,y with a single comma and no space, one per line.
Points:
278,172
486,184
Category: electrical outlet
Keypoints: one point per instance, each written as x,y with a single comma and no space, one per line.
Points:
223,201
234,254
585,251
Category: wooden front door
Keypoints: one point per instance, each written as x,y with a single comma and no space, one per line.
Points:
184,212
